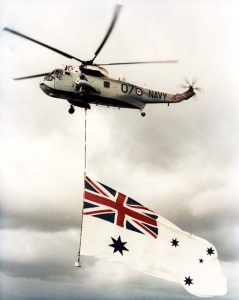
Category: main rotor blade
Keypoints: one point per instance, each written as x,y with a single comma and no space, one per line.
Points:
32,76
40,43
141,62
115,17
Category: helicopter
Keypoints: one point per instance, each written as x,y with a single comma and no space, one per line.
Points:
90,83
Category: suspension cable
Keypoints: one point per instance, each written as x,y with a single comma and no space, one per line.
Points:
78,263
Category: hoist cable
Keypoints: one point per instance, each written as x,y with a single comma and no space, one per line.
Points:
77,264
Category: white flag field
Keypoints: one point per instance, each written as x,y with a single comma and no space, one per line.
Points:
119,229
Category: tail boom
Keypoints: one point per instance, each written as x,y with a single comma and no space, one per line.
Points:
160,97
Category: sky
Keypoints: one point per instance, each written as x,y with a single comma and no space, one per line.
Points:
180,161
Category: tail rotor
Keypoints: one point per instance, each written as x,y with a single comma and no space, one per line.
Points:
191,85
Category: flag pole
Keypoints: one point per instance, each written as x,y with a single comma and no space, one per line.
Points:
78,263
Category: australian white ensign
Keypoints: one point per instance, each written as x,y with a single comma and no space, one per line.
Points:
118,228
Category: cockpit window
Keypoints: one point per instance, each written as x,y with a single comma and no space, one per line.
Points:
59,73
55,73
49,77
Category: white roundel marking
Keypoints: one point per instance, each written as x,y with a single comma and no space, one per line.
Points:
138,91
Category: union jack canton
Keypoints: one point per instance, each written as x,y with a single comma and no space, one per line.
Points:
103,202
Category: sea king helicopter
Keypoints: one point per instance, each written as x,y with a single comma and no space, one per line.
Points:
90,83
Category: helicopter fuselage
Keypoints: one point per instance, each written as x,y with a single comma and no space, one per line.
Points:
82,86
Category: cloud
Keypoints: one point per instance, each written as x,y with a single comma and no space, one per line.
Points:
220,201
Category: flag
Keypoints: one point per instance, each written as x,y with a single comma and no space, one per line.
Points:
119,229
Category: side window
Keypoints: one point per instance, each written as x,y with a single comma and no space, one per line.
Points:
59,73
106,84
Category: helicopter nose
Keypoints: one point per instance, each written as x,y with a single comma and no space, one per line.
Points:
42,86
45,88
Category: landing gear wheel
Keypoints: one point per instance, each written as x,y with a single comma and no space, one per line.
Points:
143,114
71,110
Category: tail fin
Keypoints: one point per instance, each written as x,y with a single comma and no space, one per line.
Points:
184,96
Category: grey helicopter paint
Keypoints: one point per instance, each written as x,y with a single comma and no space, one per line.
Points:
90,83
81,88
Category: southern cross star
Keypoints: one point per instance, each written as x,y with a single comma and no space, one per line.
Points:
188,281
175,243
210,251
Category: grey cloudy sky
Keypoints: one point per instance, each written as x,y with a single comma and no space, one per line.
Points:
181,161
